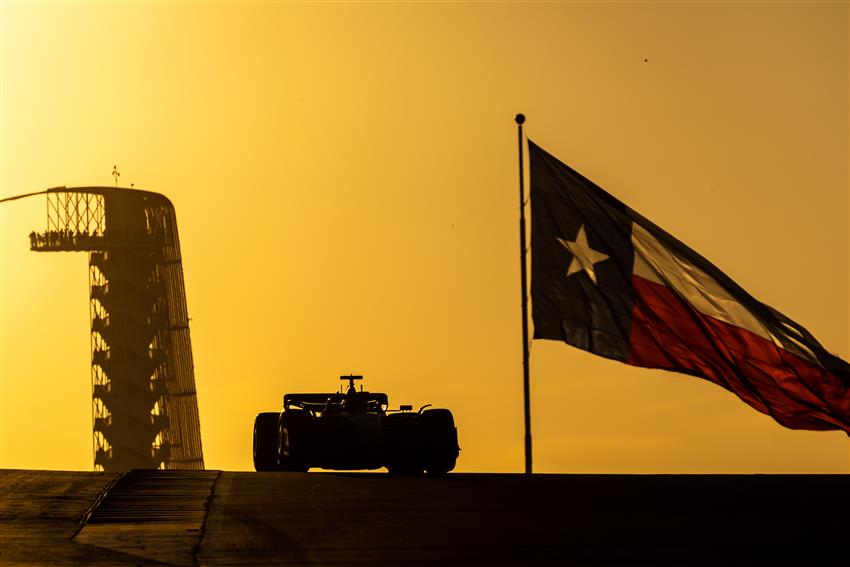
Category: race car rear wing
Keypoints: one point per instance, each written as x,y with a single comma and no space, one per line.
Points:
317,402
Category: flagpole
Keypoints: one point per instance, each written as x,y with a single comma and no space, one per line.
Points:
520,119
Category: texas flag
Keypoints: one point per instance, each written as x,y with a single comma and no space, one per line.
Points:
609,281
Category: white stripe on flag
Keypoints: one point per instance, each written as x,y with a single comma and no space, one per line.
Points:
657,263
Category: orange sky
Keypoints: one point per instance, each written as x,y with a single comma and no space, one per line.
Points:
345,179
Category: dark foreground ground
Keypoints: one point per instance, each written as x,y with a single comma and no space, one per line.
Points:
221,518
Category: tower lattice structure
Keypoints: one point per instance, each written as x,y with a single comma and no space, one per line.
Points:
144,404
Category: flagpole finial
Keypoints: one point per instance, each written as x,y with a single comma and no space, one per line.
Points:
520,118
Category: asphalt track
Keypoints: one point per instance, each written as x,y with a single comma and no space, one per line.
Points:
225,518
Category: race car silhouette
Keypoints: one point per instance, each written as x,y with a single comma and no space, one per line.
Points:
352,431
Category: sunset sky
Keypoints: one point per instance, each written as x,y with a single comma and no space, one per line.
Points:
345,180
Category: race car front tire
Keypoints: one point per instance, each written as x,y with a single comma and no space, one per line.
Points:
403,454
294,438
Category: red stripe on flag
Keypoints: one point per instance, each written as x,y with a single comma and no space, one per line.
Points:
668,333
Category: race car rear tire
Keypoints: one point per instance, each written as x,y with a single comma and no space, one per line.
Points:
265,441
294,438
439,440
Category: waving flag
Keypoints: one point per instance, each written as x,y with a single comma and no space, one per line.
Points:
609,281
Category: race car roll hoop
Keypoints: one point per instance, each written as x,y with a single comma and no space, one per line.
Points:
354,431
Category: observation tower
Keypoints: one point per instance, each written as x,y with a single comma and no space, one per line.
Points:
144,405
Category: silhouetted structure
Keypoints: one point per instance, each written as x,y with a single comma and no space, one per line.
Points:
145,412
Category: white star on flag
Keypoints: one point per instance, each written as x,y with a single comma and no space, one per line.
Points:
584,257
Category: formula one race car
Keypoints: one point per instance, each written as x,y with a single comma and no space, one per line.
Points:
355,430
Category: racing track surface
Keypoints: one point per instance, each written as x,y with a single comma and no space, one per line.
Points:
213,518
